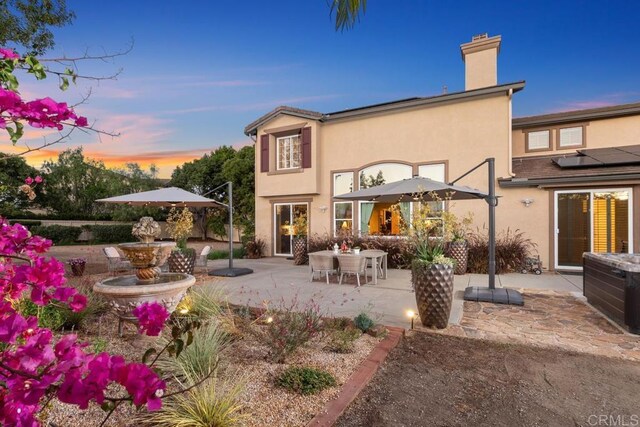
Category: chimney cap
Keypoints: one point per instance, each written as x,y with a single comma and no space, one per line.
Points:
479,43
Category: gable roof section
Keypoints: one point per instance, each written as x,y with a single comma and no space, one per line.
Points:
252,128
577,115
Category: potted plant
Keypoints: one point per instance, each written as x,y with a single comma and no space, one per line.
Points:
458,248
179,225
432,279
356,250
300,244
77,266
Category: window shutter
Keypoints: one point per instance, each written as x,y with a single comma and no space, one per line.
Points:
264,153
306,147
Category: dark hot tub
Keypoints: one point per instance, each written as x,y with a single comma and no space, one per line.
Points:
612,285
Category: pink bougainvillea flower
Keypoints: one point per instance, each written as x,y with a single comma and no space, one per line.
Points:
82,122
151,318
38,179
28,180
8,53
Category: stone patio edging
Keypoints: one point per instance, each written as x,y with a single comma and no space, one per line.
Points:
358,380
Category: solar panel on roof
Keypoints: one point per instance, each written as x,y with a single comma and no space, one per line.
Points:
610,156
634,149
576,162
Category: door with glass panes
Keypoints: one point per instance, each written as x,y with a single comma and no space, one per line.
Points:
284,215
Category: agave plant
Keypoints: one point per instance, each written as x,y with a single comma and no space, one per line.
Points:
431,253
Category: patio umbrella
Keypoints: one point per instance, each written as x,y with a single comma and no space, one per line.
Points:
409,190
171,196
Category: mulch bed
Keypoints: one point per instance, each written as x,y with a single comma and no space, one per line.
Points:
439,380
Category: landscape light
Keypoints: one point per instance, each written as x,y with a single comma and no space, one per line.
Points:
412,315
269,319
184,311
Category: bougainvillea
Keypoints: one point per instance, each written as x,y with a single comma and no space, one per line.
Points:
32,364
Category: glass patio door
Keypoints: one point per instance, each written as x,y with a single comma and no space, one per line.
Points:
591,221
284,215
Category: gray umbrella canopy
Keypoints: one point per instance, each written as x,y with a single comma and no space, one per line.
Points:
172,196
408,190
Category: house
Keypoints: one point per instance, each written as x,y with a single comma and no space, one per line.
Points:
567,180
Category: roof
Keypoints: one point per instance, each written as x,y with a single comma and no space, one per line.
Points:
577,115
170,196
251,129
543,170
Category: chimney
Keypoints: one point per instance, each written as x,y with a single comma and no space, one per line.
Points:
480,56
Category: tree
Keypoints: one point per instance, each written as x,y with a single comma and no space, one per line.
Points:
12,175
241,171
26,23
347,12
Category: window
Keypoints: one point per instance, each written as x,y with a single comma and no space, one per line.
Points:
435,171
570,137
384,173
343,217
538,140
288,152
342,183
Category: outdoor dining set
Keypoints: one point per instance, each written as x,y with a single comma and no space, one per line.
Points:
349,263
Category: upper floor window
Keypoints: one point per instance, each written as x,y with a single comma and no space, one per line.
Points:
538,140
435,171
342,183
570,137
288,152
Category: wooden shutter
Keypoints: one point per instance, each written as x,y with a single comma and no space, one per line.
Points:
306,147
264,153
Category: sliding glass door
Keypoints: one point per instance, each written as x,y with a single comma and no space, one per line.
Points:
591,221
284,215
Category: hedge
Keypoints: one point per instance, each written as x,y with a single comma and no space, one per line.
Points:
58,234
118,233
28,223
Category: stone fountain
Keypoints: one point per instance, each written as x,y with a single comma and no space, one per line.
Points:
149,284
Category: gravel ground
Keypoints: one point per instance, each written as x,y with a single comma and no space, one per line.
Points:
264,402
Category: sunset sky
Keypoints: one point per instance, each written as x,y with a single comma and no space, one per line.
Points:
199,71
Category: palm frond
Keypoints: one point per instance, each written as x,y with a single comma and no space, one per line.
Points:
347,12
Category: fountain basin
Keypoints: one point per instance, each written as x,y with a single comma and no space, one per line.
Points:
147,258
125,293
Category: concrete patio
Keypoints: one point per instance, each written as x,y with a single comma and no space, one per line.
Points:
275,279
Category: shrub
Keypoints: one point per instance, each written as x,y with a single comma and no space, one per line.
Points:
512,249
212,403
58,234
290,328
49,316
363,322
342,341
199,359
117,233
305,380
237,253
254,247
202,301
75,320
99,345
338,323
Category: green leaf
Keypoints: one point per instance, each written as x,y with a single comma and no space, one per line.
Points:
189,338
176,332
106,406
179,347
171,349
65,83
147,354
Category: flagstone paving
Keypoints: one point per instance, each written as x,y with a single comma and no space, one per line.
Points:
548,318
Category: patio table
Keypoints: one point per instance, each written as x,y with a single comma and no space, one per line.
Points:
378,258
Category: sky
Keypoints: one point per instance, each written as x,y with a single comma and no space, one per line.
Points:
200,71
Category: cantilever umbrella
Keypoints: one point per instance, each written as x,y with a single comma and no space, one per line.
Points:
171,196
408,190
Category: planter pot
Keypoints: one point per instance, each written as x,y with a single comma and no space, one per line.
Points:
78,269
459,251
300,254
182,261
433,286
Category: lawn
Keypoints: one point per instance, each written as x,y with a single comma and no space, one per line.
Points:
439,380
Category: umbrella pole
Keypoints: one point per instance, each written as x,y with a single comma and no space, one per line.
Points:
230,225
492,201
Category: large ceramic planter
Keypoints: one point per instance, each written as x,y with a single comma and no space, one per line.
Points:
459,251
77,269
182,261
433,285
300,254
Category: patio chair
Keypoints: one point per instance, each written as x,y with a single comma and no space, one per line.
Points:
370,260
351,264
202,259
115,263
321,264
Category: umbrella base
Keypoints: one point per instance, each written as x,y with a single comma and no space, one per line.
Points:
496,296
230,272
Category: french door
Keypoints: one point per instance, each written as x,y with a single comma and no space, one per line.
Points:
284,215
591,221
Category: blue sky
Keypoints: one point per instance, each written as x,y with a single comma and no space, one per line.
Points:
201,70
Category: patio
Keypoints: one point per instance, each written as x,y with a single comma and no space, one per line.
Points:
387,302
